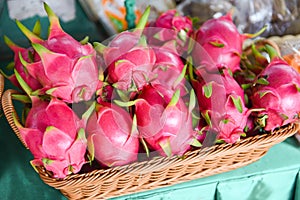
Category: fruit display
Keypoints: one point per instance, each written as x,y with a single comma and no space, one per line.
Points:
160,90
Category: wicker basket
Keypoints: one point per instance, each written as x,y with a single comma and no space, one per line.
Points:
1,85
158,172
1,91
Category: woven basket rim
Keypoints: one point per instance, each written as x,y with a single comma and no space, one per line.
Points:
1,85
175,160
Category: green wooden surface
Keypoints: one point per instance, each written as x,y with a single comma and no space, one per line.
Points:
275,177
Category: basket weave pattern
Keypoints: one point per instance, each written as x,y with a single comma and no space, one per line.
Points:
158,172
1,86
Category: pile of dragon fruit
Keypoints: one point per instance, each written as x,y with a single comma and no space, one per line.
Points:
162,89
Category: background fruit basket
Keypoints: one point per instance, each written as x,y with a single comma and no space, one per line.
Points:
157,172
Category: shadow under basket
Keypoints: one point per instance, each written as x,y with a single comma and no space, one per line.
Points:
160,171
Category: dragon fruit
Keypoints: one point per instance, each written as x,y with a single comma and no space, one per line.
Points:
27,54
222,41
170,26
169,70
64,63
128,58
55,136
111,137
129,68
276,92
163,120
221,103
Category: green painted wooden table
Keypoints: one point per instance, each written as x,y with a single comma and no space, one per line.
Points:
275,176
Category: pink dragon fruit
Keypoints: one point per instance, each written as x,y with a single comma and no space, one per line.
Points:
169,70
64,63
131,67
163,120
111,138
128,58
277,93
170,26
25,53
222,41
55,136
221,102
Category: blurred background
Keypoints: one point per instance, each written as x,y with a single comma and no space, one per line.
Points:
102,18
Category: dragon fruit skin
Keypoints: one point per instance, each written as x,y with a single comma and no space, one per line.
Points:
223,43
109,131
161,124
64,64
172,20
168,67
279,97
32,82
170,26
224,106
129,62
55,136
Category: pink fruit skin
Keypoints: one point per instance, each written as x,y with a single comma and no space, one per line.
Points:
64,67
167,27
159,123
167,69
280,97
218,31
51,133
225,118
172,20
109,130
31,81
129,63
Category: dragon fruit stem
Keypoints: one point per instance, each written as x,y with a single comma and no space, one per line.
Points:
40,49
192,102
126,104
99,47
4,74
30,35
37,28
271,51
11,44
253,35
54,20
258,56
166,147
91,148
85,40
87,114
21,97
175,98
180,77
144,18
190,68
145,146
22,83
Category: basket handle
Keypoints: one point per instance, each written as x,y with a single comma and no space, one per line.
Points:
1,85
10,112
